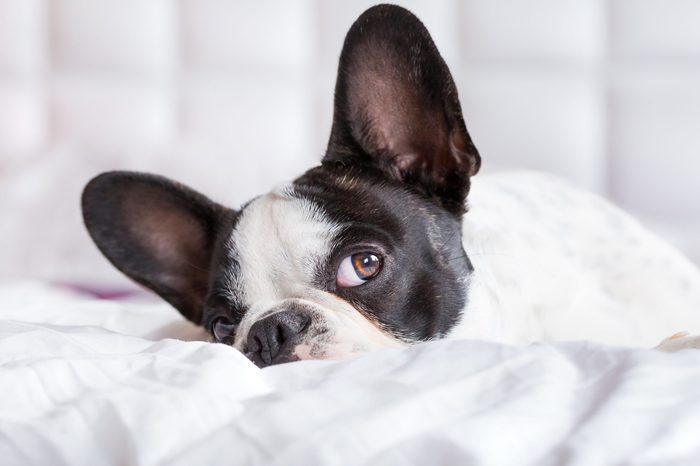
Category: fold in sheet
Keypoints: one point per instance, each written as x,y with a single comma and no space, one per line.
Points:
82,382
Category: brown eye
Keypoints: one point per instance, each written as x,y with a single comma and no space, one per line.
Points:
357,269
366,265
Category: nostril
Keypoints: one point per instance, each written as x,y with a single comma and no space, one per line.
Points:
254,344
280,334
293,324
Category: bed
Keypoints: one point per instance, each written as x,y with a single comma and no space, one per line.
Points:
85,381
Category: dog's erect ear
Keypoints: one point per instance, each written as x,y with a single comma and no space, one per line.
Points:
397,109
158,232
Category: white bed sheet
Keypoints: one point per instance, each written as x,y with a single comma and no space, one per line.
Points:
87,382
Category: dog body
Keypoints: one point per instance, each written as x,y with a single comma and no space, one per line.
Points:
379,246
552,262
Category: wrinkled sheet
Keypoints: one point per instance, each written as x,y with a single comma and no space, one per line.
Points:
88,382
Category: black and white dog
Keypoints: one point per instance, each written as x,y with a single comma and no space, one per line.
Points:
376,247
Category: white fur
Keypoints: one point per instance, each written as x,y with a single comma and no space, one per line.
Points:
556,263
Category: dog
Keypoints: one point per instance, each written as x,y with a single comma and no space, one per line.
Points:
391,241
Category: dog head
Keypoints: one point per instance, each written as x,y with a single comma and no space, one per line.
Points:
361,252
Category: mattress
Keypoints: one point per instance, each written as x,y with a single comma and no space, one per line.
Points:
85,381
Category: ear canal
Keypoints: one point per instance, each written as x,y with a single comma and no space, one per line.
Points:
158,232
397,108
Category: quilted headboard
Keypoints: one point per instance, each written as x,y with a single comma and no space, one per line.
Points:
233,97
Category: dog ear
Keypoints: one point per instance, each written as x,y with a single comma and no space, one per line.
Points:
397,109
156,231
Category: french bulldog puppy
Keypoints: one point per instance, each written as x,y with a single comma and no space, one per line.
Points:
390,241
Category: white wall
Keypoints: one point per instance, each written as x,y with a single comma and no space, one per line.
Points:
233,97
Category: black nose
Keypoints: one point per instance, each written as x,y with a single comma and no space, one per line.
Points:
272,339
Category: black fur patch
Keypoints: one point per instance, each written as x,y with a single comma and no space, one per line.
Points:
421,290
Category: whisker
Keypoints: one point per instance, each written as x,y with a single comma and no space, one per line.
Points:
196,267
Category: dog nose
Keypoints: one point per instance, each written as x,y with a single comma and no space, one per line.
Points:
272,339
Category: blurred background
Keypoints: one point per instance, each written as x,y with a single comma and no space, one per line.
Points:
233,97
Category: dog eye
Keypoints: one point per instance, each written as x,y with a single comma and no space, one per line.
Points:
357,269
224,330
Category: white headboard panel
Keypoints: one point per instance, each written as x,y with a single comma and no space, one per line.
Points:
233,97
